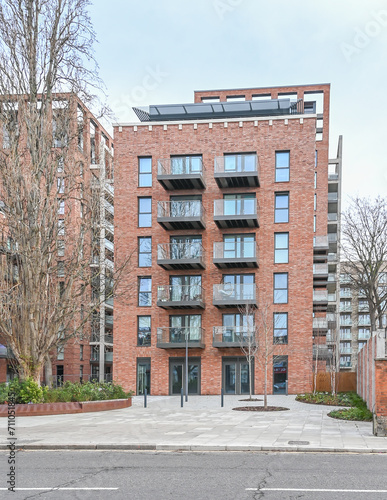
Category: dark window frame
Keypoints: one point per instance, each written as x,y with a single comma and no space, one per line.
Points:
278,210
280,289
146,173
144,213
146,334
279,170
142,253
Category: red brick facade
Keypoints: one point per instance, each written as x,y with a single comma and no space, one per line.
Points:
263,136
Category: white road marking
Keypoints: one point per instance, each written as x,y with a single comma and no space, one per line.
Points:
59,488
317,490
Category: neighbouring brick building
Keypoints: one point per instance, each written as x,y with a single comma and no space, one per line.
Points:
91,147
221,203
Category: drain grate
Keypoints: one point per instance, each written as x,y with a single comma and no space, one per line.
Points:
299,443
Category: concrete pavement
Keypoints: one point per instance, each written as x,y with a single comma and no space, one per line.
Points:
202,424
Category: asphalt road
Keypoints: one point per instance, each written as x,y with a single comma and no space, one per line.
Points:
195,476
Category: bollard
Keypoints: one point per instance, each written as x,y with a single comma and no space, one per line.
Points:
145,395
182,398
222,397
286,387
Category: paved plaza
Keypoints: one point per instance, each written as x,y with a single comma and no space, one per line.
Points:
202,424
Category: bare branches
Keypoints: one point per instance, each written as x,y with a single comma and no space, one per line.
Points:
364,240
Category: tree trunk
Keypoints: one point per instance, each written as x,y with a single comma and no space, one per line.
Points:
250,380
48,371
265,388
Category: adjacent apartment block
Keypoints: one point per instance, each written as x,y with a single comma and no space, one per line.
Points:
90,147
224,203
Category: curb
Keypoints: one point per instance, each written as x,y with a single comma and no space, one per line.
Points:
193,448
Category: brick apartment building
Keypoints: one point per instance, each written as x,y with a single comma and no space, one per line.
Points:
224,202
92,147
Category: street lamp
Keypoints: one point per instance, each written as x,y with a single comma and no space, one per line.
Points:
186,363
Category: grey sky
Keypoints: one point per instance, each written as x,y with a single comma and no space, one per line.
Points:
160,51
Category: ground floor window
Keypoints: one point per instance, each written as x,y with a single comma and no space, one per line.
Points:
143,376
177,375
280,374
59,374
235,375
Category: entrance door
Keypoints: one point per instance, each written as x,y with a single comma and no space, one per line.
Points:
236,376
177,376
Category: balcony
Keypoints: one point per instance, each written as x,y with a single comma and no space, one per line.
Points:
320,244
320,326
109,303
109,321
176,338
94,358
332,197
321,351
181,214
231,295
332,217
236,213
345,350
320,274
235,254
181,173
109,245
109,207
180,297
226,336
320,300
96,338
187,255
237,171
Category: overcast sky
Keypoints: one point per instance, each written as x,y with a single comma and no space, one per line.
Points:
160,51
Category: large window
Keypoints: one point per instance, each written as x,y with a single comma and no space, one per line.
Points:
143,375
281,212
186,247
145,212
240,162
239,286
345,319
144,291
239,204
364,319
364,333
186,325
282,162
185,288
186,164
281,248
145,252
280,328
280,288
145,172
238,246
144,330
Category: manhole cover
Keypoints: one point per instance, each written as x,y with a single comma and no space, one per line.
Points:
299,442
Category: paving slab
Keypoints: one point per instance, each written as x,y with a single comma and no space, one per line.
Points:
201,425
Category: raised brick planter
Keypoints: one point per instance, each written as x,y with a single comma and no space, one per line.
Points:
32,410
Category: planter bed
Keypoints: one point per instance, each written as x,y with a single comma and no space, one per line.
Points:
39,409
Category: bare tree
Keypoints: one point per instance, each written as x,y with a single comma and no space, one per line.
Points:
48,207
262,342
364,240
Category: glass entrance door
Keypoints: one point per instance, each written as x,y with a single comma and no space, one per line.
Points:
177,376
236,376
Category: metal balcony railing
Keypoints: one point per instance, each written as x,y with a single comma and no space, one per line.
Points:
184,214
236,207
320,242
179,337
181,255
95,337
228,294
180,296
320,269
227,336
320,296
182,165
320,324
239,170
235,254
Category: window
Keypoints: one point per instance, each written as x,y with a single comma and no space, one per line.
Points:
361,345
345,305
60,353
145,212
239,204
61,207
315,180
315,158
81,352
185,325
314,223
282,161
240,162
281,213
80,373
281,248
364,333
143,375
185,165
238,246
345,347
280,328
61,248
364,319
280,288
145,252
144,330
238,286
183,247
363,305
185,288
345,361
345,333
61,269
144,291
345,292
61,227
315,202
345,320
61,185
145,172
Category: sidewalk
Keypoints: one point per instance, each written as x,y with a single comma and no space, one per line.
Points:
201,425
